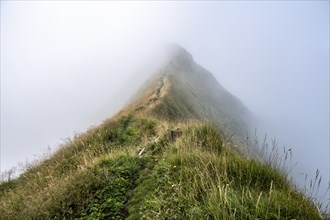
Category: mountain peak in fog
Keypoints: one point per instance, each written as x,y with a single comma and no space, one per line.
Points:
178,52
193,92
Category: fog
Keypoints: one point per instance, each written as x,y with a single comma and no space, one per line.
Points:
66,66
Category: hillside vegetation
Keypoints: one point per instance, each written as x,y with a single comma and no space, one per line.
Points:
156,159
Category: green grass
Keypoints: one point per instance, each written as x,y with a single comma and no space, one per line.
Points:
192,183
45,186
162,162
184,173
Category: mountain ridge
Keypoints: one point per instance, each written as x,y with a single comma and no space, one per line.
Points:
163,156
203,96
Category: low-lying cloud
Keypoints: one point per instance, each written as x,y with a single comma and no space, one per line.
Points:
68,65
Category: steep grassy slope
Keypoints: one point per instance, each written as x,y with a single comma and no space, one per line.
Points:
196,93
186,171
159,158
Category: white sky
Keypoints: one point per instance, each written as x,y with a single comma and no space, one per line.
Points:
68,65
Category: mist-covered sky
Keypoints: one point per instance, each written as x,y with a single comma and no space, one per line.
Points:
68,65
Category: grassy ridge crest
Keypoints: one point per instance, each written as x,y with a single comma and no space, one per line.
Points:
156,159
185,171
